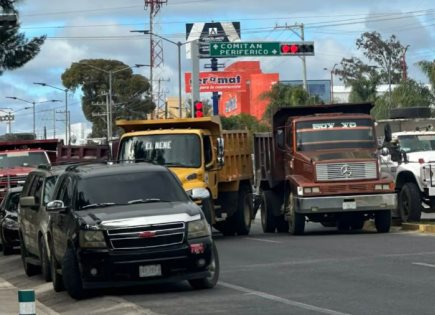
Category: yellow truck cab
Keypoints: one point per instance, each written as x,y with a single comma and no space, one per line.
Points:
202,155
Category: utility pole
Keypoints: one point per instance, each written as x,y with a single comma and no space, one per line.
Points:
404,66
301,35
156,48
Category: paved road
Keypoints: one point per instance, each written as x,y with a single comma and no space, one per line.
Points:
323,272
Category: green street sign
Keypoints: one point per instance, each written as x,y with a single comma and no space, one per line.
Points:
261,49
244,49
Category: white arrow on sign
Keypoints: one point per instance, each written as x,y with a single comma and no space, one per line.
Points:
274,52
215,46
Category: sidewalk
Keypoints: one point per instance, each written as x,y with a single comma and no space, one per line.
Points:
9,301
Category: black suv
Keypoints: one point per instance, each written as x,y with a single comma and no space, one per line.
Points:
33,219
128,224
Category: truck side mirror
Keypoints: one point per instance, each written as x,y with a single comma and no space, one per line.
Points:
280,138
220,152
404,156
385,151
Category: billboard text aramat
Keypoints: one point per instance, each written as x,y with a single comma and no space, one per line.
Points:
217,81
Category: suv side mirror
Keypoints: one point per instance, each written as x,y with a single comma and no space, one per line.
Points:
55,205
199,194
220,152
28,201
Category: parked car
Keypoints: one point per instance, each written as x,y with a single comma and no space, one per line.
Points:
9,220
128,224
33,219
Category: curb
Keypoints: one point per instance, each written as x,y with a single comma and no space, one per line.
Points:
420,227
11,294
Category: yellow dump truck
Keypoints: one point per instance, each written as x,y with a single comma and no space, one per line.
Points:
202,155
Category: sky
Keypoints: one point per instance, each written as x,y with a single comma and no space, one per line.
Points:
84,29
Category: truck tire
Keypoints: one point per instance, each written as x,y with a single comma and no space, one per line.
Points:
243,216
282,225
29,269
45,261
383,221
71,275
7,249
209,282
410,203
296,220
268,222
207,209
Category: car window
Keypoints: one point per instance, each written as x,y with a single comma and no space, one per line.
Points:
12,202
65,193
36,189
49,188
28,185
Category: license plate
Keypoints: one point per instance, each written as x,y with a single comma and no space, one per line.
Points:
349,205
150,271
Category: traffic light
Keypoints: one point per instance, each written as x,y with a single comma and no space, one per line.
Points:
199,109
297,49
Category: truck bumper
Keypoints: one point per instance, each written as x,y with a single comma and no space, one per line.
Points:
355,203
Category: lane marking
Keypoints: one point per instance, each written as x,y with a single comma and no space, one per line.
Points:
423,264
275,298
262,240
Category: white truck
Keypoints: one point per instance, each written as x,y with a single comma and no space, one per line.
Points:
410,157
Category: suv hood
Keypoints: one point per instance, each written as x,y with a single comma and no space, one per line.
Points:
140,214
427,156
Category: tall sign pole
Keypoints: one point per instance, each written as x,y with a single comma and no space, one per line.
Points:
195,73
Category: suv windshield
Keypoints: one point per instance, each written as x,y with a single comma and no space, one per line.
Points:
335,134
129,188
170,150
18,159
416,143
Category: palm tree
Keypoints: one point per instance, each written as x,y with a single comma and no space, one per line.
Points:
428,67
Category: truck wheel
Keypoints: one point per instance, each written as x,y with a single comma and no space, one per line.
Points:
45,261
55,276
243,217
213,268
29,269
226,228
71,275
7,250
357,224
296,220
410,203
282,225
207,208
268,222
383,221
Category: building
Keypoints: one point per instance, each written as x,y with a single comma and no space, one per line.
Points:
248,100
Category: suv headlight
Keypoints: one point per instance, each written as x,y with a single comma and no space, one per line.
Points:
92,239
198,228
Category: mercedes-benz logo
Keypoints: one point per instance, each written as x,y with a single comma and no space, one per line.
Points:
345,171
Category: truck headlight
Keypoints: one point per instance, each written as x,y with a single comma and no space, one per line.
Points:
198,228
92,239
10,224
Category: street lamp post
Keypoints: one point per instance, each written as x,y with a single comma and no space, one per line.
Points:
33,107
178,44
332,82
66,106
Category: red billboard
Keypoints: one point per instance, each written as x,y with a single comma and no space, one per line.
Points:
217,81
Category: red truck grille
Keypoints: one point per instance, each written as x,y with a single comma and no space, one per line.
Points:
346,171
350,188
12,181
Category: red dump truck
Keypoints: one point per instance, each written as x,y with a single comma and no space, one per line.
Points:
320,164
21,153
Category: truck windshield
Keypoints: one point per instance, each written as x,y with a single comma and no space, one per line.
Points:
335,133
156,186
19,159
170,150
416,143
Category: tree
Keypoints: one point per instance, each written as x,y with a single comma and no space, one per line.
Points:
384,67
408,93
283,95
428,67
15,49
243,122
130,92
